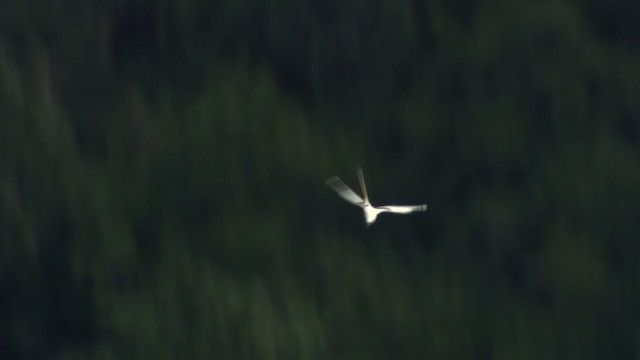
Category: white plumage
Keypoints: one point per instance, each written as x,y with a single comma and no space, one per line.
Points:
370,212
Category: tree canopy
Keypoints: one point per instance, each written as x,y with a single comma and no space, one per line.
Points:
162,171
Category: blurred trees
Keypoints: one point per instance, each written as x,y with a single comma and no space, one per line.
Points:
162,166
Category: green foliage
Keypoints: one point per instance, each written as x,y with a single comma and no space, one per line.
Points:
162,167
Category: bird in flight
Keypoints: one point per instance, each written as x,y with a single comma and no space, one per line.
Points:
370,212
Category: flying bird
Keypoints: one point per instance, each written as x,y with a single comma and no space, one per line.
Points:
370,212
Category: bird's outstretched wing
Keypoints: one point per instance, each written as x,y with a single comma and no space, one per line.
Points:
363,186
404,209
344,191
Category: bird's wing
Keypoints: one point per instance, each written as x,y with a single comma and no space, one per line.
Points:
344,191
363,186
404,209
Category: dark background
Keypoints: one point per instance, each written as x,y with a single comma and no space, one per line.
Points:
162,169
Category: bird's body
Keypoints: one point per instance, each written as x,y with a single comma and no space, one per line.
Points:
370,212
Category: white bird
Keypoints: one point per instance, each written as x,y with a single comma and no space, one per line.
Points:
370,212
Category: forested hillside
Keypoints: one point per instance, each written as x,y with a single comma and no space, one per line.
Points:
162,168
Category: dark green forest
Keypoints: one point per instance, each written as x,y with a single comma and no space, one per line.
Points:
162,168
